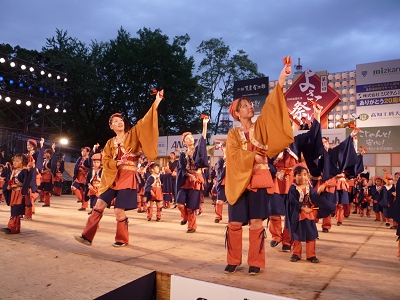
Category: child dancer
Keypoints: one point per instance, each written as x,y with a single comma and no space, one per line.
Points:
49,164
153,191
93,179
142,206
364,198
17,194
375,191
58,178
302,199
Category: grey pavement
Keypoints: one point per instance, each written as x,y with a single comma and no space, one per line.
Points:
357,260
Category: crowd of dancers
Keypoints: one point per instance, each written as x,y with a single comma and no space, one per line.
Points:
266,173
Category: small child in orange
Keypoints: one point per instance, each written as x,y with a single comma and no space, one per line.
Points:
17,194
302,200
93,179
364,198
153,191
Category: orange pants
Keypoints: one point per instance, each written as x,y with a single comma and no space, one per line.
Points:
275,228
339,213
150,209
310,248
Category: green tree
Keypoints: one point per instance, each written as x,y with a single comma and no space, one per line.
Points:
218,72
117,76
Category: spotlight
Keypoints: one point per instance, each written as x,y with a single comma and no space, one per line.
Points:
11,81
8,99
2,60
31,69
1,78
21,84
12,64
47,106
42,72
18,101
65,79
1,97
64,110
58,77
49,75
30,87
23,67
28,103
63,141
41,89
48,91
56,110
40,105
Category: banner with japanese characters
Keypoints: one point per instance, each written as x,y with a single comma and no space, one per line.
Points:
378,93
309,88
379,140
256,89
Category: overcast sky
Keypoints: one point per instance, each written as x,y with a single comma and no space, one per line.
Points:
332,35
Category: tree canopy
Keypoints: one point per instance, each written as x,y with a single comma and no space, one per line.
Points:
118,76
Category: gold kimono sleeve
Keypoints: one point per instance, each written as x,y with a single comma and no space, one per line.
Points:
273,126
239,167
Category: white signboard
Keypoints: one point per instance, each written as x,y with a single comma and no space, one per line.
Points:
335,136
378,115
162,146
378,94
377,72
175,143
185,288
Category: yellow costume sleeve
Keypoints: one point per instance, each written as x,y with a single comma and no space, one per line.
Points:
273,126
239,167
142,137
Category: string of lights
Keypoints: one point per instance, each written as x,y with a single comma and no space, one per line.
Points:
34,84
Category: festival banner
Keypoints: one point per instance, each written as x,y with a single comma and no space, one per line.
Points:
307,89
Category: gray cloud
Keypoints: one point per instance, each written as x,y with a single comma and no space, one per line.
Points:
325,34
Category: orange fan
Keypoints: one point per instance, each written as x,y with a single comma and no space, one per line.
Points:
287,61
155,91
352,126
203,116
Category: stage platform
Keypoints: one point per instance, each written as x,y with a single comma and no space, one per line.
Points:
357,260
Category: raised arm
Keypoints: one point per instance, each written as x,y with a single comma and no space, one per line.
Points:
285,73
205,121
